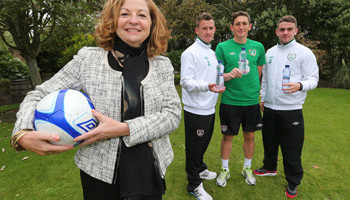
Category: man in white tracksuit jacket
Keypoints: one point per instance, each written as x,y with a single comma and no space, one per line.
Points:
283,118
198,75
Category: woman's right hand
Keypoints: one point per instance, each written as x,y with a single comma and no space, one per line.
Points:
38,142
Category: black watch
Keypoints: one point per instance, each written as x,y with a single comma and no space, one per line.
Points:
301,86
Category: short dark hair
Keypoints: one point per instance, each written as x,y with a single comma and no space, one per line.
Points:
288,18
203,16
240,13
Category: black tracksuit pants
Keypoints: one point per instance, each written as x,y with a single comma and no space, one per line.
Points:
198,132
285,129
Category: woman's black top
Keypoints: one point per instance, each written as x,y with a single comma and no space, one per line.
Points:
137,168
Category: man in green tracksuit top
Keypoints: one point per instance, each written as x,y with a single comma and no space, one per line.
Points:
240,101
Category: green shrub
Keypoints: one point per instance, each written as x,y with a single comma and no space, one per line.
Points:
47,62
175,57
341,78
12,68
325,72
78,41
177,79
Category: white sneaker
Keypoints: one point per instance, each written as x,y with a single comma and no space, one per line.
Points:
201,194
207,175
249,176
221,180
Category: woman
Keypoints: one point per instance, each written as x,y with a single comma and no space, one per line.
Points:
133,91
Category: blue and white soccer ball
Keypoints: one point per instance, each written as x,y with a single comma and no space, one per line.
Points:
66,113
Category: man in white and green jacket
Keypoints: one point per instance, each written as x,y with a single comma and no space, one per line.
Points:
198,75
283,118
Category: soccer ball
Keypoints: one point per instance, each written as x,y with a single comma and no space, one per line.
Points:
66,113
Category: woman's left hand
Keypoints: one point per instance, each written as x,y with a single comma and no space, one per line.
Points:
107,128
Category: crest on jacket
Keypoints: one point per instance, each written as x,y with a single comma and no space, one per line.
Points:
291,56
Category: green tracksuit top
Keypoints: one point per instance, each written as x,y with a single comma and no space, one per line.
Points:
241,91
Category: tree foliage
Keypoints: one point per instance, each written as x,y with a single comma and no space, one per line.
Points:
331,27
32,22
78,22
181,17
10,67
28,23
79,41
342,76
324,25
34,25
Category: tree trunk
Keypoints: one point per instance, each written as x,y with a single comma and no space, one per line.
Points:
33,71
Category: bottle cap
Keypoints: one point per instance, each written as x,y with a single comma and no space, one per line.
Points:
220,62
287,66
243,48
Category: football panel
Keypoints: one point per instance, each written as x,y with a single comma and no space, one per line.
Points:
48,103
43,126
65,138
77,111
75,102
89,100
47,127
59,119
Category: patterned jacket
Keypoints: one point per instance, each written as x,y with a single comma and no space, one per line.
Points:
89,71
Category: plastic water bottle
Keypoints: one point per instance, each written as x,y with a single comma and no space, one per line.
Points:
219,76
243,61
286,77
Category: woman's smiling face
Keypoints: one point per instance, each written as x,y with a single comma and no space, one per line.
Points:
134,22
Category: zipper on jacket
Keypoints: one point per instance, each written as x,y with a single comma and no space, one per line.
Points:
142,101
120,138
122,100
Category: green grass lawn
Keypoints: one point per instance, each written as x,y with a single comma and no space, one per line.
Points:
325,160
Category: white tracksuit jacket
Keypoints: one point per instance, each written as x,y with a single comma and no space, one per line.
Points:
198,69
303,67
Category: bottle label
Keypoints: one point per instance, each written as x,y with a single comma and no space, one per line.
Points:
244,67
243,62
285,78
